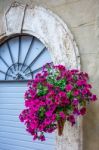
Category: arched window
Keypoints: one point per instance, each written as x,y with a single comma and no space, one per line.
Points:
21,57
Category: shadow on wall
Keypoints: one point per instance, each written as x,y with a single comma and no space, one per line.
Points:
91,128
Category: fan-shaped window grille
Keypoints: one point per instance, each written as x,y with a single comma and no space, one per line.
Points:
21,57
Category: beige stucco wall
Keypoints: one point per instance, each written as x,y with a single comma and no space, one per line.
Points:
82,18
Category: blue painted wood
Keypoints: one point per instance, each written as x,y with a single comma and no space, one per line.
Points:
11,130
13,135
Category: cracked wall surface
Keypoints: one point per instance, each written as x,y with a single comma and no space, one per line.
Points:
82,18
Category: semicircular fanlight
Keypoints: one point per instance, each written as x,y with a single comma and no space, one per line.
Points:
21,57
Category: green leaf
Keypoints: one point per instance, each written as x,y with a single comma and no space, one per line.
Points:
69,94
50,80
57,117
83,103
60,109
69,107
42,109
61,83
41,90
42,112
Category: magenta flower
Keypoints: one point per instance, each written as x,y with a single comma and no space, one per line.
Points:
47,121
83,111
42,137
69,87
93,97
33,125
84,91
65,101
21,117
57,100
55,95
76,111
71,119
53,117
49,113
49,102
62,94
75,102
75,93
62,115
81,82
35,137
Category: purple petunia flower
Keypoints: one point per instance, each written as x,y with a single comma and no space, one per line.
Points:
69,87
75,102
83,111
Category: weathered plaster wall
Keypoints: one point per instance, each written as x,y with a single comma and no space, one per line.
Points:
82,18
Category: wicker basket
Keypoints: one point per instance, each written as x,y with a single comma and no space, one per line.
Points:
60,126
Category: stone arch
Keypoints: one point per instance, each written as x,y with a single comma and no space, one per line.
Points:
46,26
54,33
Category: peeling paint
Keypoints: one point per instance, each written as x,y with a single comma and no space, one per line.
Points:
14,17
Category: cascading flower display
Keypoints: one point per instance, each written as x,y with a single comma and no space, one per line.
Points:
55,96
